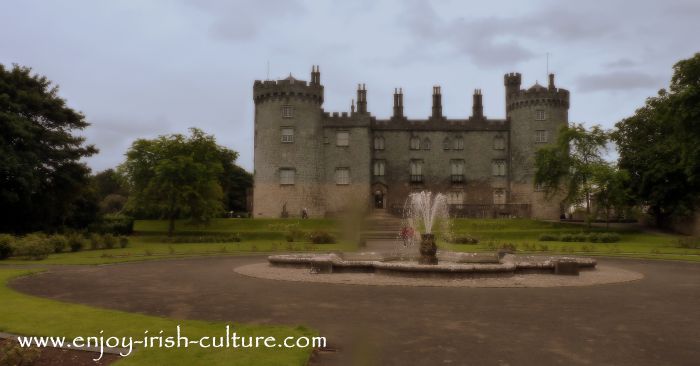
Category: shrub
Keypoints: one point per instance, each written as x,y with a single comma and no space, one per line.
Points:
33,246
580,237
689,243
109,241
123,241
75,242
12,353
594,238
609,238
59,243
6,244
567,238
549,237
544,248
95,242
116,224
321,237
465,239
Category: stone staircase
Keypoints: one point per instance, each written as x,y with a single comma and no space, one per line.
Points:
381,231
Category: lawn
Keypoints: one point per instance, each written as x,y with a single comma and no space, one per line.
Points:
524,235
29,315
257,236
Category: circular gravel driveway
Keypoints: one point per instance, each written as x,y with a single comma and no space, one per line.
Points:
652,321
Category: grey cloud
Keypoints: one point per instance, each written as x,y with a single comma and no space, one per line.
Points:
243,20
621,63
617,81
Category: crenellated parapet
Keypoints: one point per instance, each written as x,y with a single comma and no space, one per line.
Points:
285,89
556,97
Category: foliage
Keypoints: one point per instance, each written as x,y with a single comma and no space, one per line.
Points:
660,146
570,163
117,224
109,241
6,245
235,183
321,237
58,242
463,239
43,179
123,242
176,176
33,246
76,242
689,243
549,237
221,238
12,354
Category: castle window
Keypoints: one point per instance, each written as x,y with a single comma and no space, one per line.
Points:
416,171
379,143
342,138
499,143
457,169
541,136
287,111
287,135
499,167
446,143
459,143
287,176
426,144
499,196
540,115
455,198
414,143
342,176
379,166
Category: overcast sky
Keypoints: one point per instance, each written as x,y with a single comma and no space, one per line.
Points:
146,68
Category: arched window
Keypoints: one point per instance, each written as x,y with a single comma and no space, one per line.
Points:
459,143
426,144
379,143
415,143
499,143
446,143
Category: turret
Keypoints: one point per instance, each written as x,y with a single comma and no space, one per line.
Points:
437,103
477,106
551,82
512,82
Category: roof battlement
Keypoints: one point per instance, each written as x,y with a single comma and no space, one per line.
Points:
538,95
444,124
287,88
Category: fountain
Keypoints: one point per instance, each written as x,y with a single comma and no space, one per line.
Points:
422,211
425,215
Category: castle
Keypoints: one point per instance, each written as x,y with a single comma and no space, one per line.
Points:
309,159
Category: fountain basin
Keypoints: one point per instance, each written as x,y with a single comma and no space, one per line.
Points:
450,264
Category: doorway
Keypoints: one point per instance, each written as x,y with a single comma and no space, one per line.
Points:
378,199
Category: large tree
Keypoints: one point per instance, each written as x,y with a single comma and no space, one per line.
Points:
177,176
568,165
660,146
43,183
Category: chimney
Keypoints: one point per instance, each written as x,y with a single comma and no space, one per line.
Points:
398,103
477,107
315,75
551,82
437,102
361,98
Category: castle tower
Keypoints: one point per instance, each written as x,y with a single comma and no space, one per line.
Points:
398,103
536,116
287,150
361,98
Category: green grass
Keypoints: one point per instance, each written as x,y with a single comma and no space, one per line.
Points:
245,227
524,234
146,248
29,315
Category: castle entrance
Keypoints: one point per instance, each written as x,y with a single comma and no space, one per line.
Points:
379,199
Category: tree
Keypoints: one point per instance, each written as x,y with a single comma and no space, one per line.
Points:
610,192
176,176
235,182
568,165
660,146
42,180
111,194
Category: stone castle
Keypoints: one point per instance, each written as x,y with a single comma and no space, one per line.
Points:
325,163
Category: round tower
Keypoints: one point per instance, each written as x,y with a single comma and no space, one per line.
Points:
287,150
536,116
